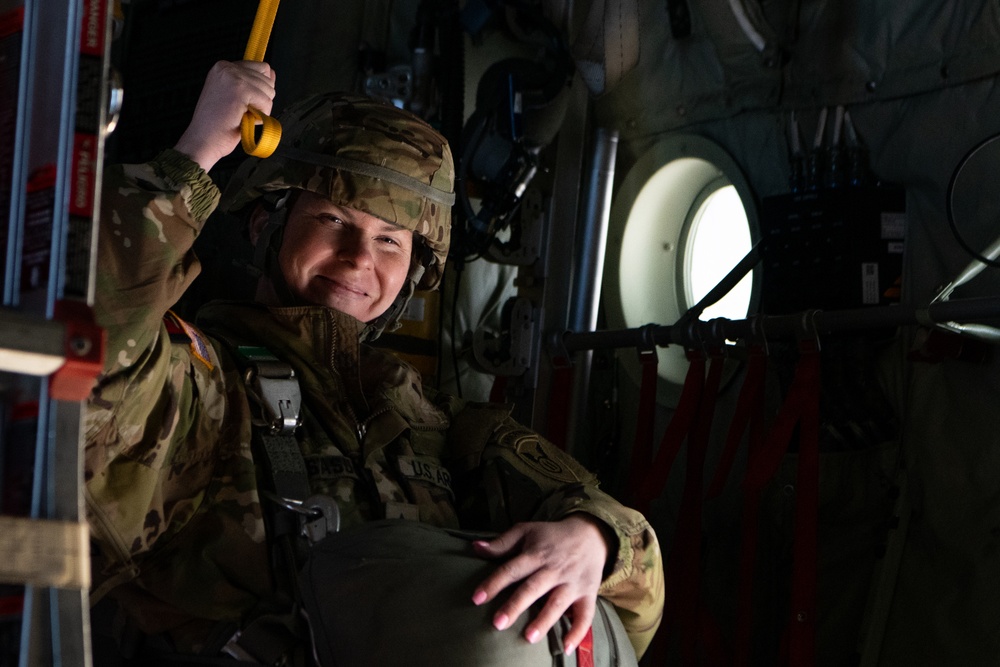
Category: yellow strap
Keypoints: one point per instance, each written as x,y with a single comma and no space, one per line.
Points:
270,133
256,46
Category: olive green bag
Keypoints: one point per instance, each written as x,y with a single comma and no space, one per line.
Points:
399,592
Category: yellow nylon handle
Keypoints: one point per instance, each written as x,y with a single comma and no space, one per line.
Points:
256,46
270,134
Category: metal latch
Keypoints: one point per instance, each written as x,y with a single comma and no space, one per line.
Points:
276,389
326,521
319,514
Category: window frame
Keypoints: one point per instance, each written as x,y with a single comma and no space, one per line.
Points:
700,168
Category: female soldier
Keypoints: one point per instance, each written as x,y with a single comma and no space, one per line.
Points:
348,217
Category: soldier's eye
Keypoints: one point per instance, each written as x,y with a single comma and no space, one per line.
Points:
330,219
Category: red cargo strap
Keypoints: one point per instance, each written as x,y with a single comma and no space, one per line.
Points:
642,449
562,396
743,643
673,437
748,415
687,542
801,407
802,643
498,392
692,420
747,410
655,480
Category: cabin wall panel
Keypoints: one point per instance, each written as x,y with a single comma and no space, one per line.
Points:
920,82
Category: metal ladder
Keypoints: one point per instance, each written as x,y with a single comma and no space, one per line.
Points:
54,92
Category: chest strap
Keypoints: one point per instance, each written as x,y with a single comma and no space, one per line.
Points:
292,511
276,400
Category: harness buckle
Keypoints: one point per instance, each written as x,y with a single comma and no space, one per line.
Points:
319,515
278,395
328,521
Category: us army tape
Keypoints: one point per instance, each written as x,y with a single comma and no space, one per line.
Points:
44,553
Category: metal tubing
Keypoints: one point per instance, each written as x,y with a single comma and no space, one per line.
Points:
776,326
589,271
554,272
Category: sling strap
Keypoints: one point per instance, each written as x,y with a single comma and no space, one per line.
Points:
642,449
801,408
275,394
559,409
748,416
749,406
686,551
692,422
673,438
270,136
290,510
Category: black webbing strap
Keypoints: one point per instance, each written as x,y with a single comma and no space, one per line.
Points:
273,391
285,466
273,386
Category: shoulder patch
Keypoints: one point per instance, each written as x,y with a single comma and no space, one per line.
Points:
182,332
531,452
534,453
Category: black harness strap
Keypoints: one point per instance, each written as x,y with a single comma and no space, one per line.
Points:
283,483
274,392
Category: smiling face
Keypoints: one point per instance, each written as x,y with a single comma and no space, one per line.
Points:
341,258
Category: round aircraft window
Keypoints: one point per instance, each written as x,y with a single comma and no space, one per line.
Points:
716,239
682,218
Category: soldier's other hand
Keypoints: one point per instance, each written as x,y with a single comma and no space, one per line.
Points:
561,559
229,89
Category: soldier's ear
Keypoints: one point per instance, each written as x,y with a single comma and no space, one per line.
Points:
258,218
271,203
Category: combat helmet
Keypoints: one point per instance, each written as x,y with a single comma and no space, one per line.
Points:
365,154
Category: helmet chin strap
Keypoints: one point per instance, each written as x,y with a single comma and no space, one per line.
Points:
389,320
265,253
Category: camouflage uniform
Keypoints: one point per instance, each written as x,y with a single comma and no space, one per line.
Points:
172,495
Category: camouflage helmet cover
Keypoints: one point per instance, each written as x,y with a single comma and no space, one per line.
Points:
364,154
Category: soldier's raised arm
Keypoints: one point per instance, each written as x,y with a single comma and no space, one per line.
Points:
153,212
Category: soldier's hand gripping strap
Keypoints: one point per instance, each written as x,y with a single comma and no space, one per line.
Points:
398,592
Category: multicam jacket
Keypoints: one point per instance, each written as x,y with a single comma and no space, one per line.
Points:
172,495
